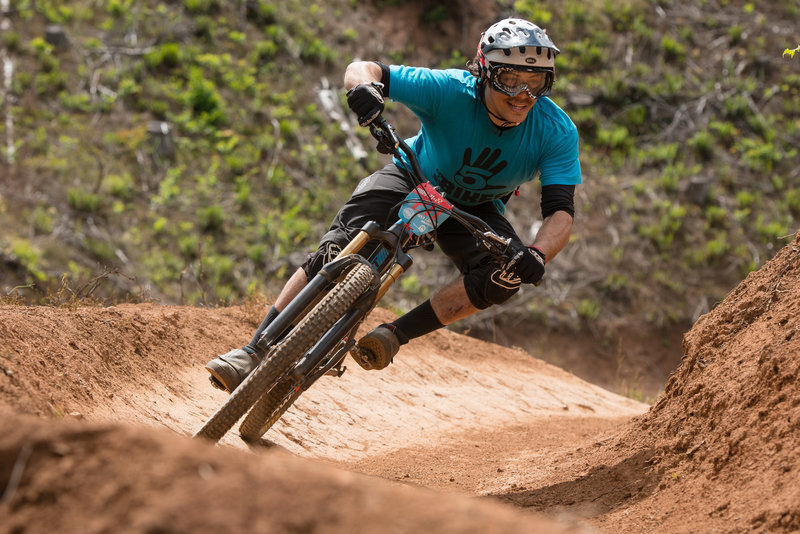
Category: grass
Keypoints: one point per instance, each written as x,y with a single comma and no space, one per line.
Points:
255,170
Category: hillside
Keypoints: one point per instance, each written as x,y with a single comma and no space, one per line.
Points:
180,152
457,435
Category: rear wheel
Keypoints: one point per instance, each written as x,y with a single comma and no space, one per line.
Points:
269,408
282,357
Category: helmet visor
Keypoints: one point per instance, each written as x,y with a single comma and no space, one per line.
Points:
512,81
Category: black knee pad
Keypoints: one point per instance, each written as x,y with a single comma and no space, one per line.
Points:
316,260
489,284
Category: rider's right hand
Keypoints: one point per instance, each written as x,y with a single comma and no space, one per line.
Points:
366,101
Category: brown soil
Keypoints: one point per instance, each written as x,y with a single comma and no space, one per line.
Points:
97,406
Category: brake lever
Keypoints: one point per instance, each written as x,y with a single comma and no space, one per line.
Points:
497,240
384,133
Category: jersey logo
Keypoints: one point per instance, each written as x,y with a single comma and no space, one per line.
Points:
476,174
471,184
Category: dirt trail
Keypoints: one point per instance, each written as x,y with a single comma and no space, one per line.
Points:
96,405
439,385
142,364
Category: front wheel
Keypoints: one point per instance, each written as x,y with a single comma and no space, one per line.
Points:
279,359
273,403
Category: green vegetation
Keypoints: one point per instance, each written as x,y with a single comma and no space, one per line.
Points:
183,144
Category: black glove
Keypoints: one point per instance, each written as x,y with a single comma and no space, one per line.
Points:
527,264
366,101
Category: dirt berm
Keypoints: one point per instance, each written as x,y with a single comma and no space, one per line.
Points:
97,405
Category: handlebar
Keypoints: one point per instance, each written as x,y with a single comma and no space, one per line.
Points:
390,143
393,144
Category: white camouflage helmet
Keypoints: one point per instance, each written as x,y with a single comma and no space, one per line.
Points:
517,42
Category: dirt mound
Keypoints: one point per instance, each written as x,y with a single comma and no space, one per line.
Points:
720,451
56,361
110,478
730,415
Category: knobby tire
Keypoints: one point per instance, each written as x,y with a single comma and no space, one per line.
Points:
274,403
268,409
281,357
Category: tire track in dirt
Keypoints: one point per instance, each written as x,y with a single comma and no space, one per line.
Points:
442,385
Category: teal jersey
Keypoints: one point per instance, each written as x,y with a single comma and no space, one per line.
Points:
461,150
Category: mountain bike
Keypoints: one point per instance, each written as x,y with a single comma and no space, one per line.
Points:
313,335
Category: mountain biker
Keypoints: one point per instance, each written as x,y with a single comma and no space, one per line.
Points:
484,132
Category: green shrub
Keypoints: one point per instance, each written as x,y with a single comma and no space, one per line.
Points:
10,40
746,199
41,47
28,257
674,51
615,138
592,56
735,33
160,225
737,107
635,115
204,99
243,190
256,253
262,12
670,220
211,218
189,246
265,51
534,11
43,219
716,216
793,201
205,28
84,201
118,8
316,50
219,267
168,56
759,155
588,309
714,250
724,131
673,174
78,102
100,249
703,144
770,231
662,153
237,37
201,6
457,60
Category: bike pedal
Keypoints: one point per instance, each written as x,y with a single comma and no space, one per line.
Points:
216,383
336,371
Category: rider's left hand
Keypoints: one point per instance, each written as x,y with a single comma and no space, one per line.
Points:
527,264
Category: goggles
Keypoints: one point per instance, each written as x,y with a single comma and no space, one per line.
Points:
512,81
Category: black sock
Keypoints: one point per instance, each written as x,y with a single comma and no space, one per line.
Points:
271,314
418,322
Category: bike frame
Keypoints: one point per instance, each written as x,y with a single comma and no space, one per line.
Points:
394,242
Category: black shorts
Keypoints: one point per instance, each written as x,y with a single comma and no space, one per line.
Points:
377,198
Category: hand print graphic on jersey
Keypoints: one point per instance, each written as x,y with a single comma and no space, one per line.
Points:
470,184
